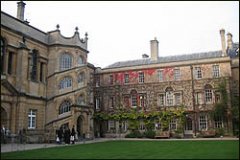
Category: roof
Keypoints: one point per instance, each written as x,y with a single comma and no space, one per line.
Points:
50,38
176,58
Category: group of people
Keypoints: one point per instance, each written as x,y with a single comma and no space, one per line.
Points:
66,135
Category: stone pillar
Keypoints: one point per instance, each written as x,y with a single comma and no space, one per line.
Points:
154,49
22,68
229,40
222,33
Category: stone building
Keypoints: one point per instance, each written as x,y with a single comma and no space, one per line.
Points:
48,83
45,80
166,83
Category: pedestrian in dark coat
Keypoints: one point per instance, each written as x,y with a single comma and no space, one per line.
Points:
73,135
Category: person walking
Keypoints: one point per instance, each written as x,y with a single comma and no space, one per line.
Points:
73,135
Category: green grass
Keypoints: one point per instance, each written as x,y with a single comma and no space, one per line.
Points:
135,150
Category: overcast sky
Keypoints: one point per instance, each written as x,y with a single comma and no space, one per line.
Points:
120,31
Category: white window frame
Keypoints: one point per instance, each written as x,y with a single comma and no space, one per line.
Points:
218,122
81,77
32,119
178,100
216,71
111,125
203,122
66,82
64,107
161,99
126,78
81,100
177,74
141,77
80,60
97,103
160,75
208,95
169,98
65,61
198,73
173,124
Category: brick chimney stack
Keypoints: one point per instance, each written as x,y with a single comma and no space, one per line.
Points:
222,33
20,10
154,49
229,40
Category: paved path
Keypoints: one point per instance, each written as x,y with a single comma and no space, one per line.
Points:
21,147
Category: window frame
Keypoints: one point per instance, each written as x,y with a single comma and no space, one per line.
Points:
65,61
32,119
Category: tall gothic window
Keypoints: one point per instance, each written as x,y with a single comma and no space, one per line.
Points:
65,83
65,61
65,107
33,65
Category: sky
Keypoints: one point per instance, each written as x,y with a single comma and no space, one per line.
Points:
122,30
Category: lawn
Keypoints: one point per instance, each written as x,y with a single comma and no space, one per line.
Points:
135,150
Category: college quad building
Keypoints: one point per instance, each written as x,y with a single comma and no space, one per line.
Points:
48,83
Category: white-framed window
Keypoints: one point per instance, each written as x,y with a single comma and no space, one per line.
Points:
173,124
161,100
111,79
169,96
126,78
65,61
216,71
81,100
32,119
65,107
80,60
208,96
124,126
81,77
160,75
177,99
218,122
66,82
157,126
177,75
141,77
97,103
134,98
203,122
198,72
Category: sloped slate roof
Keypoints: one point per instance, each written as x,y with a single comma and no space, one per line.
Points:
176,58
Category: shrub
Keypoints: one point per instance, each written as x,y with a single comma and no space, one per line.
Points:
134,134
150,134
219,132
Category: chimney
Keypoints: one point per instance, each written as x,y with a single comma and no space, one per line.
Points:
222,33
20,10
154,49
229,40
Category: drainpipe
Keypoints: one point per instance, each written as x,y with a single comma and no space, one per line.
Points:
193,101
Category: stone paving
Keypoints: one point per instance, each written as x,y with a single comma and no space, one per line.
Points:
21,147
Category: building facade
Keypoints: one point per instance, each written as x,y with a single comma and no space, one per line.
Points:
167,83
47,83
45,80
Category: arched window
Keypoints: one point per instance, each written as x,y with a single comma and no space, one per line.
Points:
65,61
81,77
169,96
65,83
208,93
65,107
2,53
134,98
81,100
80,60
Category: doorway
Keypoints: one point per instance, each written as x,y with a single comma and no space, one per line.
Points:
188,126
